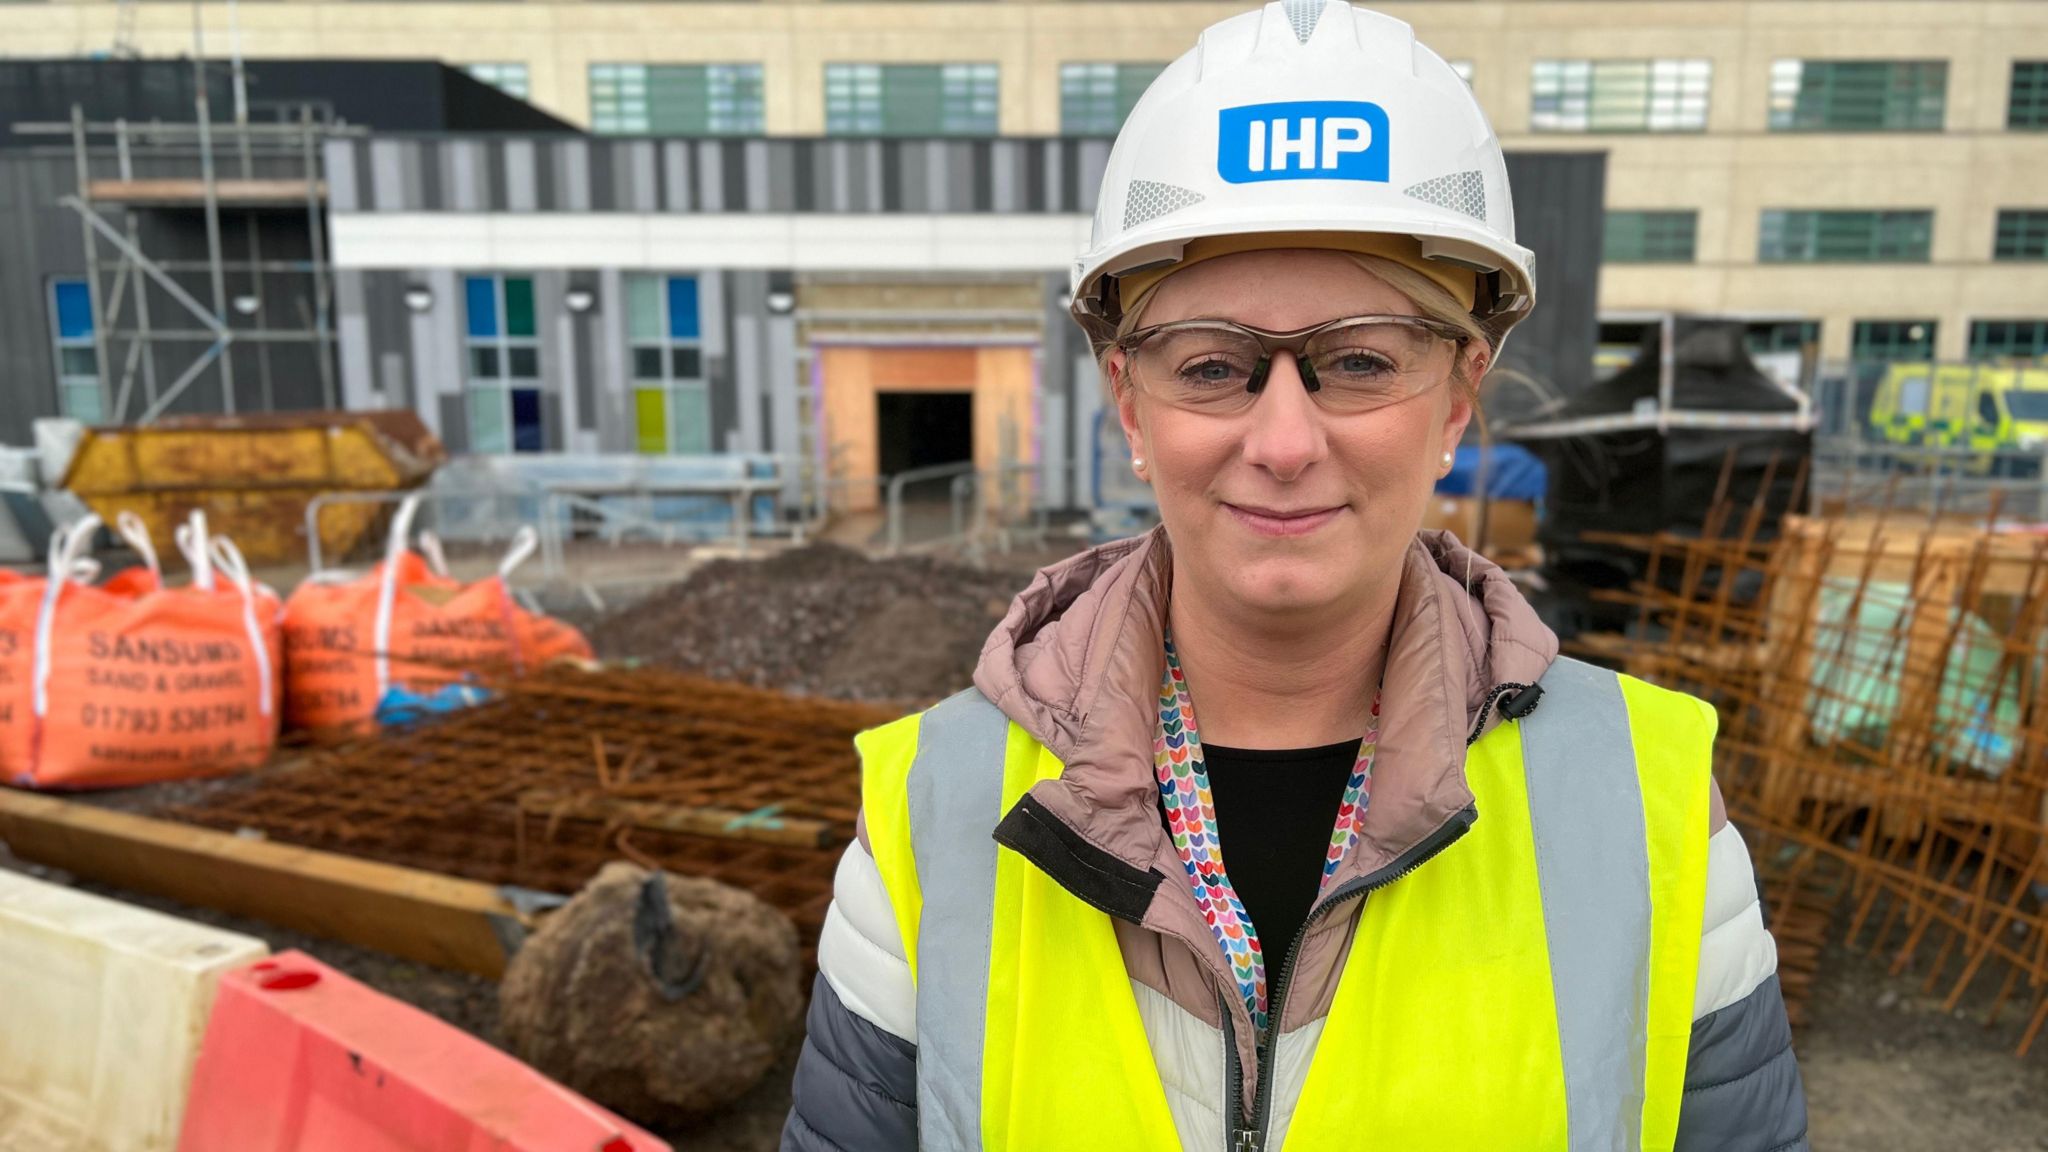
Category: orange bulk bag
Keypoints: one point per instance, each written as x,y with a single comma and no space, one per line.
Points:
130,682
407,623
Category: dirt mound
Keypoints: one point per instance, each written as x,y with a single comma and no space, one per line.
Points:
821,620
661,997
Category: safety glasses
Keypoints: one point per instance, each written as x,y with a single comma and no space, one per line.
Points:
1349,365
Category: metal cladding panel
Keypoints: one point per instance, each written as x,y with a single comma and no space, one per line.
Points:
38,240
1560,202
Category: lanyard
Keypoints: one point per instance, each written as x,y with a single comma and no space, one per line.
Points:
1191,820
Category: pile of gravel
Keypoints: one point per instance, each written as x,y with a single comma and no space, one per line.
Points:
820,620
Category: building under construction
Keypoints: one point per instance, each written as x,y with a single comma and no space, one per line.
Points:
166,247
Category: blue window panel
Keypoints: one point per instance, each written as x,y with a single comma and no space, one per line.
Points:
74,310
682,308
483,305
526,430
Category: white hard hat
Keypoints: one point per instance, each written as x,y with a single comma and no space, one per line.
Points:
1307,116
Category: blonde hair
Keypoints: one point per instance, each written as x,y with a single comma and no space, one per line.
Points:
1431,300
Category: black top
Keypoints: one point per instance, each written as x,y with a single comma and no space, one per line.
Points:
1275,810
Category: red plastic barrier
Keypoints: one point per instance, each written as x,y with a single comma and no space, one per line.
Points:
299,1058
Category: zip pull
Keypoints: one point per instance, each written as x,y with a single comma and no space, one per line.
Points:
1245,1140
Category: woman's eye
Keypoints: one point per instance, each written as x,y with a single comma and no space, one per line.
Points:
1210,372
1362,363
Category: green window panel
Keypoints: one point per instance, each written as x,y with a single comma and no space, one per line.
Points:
676,99
2026,103
2008,339
490,423
507,77
1619,95
1664,237
83,402
518,306
643,308
1096,97
1889,340
911,99
1781,336
690,418
2022,235
1827,237
1858,95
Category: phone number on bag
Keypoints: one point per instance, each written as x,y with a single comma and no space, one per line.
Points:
149,721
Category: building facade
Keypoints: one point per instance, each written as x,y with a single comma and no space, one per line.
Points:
869,305
1869,176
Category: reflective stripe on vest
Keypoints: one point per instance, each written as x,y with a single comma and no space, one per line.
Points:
1581,885
956,785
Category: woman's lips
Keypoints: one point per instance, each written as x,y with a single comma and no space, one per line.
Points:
1281,522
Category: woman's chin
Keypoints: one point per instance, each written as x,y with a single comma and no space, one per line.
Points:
1286,585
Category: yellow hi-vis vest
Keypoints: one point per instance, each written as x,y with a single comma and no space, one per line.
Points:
1529,988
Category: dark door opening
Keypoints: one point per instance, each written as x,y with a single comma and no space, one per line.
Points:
919,429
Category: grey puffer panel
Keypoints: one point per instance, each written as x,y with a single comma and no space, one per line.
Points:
1742,1086
856,1085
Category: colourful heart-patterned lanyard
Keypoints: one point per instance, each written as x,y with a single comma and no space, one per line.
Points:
1191,819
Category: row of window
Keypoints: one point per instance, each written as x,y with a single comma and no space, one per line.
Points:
1662,95
671,399
1913,340
672,396
1804,236
665,347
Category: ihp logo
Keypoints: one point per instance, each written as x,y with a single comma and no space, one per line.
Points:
1302,140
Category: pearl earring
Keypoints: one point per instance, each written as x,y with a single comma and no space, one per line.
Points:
1447,460
1137,463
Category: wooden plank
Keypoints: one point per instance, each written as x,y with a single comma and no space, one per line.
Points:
423,916
790,831
226,191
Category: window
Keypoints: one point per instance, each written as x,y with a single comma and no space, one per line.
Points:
1914,392
508,78
1766,337
1650,237
2026,104
1987,410
1887,340
671,399
504,365
2022,235
1803,237
676,99
1619,95
910,99
1858,95
2008,339
1095,97
77,358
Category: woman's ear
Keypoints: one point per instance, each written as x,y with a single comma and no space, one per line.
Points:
1126,398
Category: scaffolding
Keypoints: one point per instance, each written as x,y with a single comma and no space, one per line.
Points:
109,207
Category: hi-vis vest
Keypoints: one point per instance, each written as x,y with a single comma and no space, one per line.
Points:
1530,988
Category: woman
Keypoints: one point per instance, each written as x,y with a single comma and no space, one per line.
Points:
1477,897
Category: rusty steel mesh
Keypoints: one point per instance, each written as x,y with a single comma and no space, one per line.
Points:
1882,682
456,795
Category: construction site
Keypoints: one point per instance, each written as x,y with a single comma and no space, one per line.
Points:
454,527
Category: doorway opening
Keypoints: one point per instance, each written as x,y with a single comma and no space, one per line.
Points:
920,429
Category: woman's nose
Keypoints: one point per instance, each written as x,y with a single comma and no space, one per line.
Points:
1285,435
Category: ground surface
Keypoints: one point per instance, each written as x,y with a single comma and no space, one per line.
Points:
1886,1070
